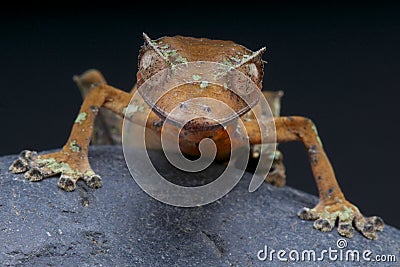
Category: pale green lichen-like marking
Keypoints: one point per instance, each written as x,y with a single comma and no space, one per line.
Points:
81,117
171,53
222,70
346,214
165,52
203,84
236,59
180,60
277,155
225,86
90,173
196,77
218,75
133,108
74,146
141,107
265,149
54,166
227,62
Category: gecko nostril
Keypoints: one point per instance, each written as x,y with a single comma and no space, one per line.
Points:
182,105
206,109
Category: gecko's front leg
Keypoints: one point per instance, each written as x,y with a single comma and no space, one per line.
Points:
332,207
72,160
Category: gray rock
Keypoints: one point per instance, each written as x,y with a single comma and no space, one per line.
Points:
120,225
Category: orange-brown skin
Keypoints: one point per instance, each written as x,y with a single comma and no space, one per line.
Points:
72,161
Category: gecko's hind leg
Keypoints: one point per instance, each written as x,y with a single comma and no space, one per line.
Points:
107,128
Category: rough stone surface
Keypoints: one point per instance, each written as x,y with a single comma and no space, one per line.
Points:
120,225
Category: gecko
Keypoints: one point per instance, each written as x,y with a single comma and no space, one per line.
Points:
72,164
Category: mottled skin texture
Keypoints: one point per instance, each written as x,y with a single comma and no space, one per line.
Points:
72,161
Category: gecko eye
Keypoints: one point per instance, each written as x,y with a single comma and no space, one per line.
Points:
252,71
147,60
149,64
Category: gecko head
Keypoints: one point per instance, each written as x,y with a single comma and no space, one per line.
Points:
227,56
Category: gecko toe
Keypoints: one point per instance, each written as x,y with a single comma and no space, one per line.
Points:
93,181
369,226
324,225
19,166
67,183
377,222
34,174
346,229
307,214
28,155
369,231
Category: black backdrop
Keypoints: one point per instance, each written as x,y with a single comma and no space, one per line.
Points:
337,65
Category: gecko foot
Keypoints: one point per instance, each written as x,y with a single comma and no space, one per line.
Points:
72,167
346,215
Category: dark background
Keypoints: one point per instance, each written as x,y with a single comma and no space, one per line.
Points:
338,65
